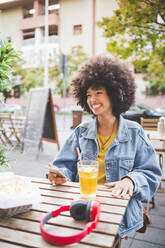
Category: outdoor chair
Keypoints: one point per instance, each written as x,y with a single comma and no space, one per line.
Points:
149,124
11,128
152,124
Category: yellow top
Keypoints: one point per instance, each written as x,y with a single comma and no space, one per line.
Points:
106,141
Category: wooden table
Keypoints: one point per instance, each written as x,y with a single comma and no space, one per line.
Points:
154,135
23,230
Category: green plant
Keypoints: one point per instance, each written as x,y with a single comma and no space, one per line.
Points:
32,77
4,163
7,57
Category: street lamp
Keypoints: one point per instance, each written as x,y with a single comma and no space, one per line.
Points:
46,45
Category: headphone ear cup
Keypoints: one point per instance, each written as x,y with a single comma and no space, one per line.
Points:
78,209
88,210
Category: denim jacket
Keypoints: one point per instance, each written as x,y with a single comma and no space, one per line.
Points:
130,154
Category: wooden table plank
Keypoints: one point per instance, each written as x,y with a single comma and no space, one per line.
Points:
25,223
97,239
68,195
8,245
62,188
104,208
35,215
62,201
29,240
24,238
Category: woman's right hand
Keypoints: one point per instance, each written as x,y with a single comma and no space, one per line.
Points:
54,179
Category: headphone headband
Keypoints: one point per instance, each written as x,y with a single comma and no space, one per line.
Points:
66,240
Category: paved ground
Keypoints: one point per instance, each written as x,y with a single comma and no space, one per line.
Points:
27,165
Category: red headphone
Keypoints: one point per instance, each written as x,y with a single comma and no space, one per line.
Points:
81,209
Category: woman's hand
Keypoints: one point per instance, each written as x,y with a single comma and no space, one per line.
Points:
122,187
55,178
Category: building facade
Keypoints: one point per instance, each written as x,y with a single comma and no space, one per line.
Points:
71,23
78,24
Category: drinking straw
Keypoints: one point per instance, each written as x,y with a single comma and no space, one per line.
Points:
79,156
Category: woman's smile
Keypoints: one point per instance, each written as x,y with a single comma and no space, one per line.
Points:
98,101
96,106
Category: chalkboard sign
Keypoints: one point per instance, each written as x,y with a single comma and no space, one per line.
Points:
49,129
40,119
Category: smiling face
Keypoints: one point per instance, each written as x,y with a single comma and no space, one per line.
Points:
98,101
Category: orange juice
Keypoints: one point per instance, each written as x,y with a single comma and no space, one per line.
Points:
88,178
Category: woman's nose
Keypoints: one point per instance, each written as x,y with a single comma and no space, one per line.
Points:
93,98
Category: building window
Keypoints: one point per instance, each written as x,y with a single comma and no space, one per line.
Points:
28,34
77,29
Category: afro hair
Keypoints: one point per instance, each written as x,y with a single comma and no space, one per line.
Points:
110,74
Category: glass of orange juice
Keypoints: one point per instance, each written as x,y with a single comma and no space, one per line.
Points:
88,172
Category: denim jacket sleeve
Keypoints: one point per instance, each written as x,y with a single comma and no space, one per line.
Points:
67,158
146,173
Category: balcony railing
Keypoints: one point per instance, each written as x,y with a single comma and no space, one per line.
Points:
35,56
38,21
52,39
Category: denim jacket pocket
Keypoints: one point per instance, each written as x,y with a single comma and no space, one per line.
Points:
125,166
87,148
111,170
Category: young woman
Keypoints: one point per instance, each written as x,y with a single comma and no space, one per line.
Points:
127,161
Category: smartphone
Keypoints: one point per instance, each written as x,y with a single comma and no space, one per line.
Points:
56,170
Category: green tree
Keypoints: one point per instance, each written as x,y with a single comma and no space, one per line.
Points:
32,77
9,58
136,31
75,59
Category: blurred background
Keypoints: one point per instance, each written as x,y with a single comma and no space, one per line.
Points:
42,45
53,38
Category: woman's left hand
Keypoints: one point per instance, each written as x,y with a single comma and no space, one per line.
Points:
122,187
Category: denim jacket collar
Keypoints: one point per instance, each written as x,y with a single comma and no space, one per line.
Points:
91,130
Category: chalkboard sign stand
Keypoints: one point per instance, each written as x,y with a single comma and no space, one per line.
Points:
40,120
50,131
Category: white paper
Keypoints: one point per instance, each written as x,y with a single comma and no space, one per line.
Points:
17,191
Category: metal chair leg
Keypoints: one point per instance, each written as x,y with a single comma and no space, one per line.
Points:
161,165
117,243
153,202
